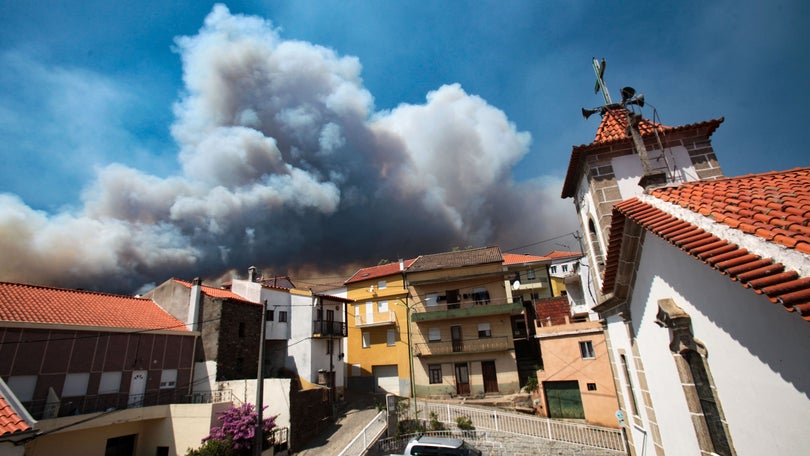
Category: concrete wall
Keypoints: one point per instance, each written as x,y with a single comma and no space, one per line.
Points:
276,396
178,427
755,356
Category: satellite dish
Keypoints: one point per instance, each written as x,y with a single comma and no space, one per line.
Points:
516,285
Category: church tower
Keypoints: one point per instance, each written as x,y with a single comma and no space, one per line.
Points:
629,155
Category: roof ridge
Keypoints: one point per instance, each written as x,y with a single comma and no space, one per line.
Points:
72,290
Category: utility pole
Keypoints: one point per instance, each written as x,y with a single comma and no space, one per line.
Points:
258,438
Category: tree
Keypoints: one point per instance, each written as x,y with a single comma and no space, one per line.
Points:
235,434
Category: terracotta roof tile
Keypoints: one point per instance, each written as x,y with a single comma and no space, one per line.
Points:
613,126
216,292
560,254
748,203
10,421
374,272
519,258
45,305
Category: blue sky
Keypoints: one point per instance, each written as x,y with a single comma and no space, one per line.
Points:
95,93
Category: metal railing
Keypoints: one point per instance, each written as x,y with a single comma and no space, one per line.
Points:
329,328
486,344
367,437
79,405
524,425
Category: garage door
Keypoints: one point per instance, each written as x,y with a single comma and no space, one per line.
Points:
386,379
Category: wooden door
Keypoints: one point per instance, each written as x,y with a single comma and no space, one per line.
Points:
462,379
455,335
490,376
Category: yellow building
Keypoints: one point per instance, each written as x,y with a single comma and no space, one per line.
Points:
378,355
562,265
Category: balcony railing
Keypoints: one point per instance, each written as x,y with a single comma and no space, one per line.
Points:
79,405
328,328
486,344
464,310
378,319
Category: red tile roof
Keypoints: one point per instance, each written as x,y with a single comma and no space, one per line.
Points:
772,206
518,258
45,305
612,130
613,126
559,255
10,421
374,272
216,292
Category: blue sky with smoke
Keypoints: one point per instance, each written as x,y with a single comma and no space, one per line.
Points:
159,139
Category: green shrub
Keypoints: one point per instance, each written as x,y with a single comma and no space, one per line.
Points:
435,424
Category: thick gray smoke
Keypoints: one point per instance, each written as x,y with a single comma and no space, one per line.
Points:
286,164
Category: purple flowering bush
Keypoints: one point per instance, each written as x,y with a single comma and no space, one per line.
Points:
236,432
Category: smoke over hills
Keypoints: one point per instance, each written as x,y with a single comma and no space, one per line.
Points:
284,164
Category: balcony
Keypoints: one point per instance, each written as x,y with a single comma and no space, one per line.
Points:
483,345
378,319
447,311
329,328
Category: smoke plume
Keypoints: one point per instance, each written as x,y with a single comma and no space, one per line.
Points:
285,164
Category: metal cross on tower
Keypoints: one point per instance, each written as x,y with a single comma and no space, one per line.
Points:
599,69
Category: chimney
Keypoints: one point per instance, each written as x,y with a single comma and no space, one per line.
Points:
252,274
401,265
194,305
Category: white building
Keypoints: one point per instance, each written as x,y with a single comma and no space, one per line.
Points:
702,364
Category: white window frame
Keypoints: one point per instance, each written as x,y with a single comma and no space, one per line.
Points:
434,334
486,328
366,339
391,337
381,285
76,384
168,379
110,382
586,349
23,386
382,306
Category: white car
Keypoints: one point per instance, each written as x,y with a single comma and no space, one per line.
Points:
439,446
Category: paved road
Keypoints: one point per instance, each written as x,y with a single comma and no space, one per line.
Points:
359,411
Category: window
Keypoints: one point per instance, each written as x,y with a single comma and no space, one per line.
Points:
282,316
530,274
75,384
168,378
632,395
435,373
110,383
269,315
366,339
391,337
434,335
565,268
381,284
431,299
591,386
382,306
23,386
586,349
484,330
480,296
241,329
554,269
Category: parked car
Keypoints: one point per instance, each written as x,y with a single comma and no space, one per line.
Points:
439,446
